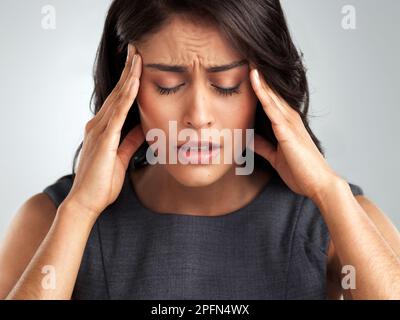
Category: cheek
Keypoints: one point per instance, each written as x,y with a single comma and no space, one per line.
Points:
241,116
153,112
241,112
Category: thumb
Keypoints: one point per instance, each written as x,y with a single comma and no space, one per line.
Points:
130,144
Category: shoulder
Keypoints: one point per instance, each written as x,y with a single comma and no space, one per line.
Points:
380,220
27,229
34,215
358,193
59,189
386,228
38,210
310,224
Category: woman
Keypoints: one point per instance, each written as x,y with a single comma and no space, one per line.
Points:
123,228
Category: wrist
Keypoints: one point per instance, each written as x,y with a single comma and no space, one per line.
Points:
72,210
332,185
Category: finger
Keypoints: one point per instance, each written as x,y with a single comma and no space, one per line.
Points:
264,148
274,96
125,98
281,103
124,102
269,105
286,109
130,144
124,75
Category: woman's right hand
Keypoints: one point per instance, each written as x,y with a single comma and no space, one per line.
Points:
102,164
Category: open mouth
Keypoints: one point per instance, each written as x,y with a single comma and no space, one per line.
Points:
199,152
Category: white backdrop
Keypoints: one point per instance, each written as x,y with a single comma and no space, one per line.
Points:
46,82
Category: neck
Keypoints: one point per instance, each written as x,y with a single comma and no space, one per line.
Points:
229,193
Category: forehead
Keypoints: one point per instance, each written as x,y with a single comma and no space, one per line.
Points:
188,42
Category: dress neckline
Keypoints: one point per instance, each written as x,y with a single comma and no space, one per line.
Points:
266,190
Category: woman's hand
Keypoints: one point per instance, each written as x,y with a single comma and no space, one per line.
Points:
102,165
296,158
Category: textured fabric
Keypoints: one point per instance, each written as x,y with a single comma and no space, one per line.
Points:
273,248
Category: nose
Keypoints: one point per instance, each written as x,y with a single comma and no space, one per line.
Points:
198,113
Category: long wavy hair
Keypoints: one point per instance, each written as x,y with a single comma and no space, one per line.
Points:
257,29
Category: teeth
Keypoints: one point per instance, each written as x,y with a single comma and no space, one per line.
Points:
203,148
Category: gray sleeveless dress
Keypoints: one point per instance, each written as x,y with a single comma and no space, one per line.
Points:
273,248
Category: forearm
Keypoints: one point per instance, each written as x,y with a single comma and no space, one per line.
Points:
359,243
60,253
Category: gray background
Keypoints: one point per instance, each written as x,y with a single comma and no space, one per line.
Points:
46,82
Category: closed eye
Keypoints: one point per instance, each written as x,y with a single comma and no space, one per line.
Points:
221,91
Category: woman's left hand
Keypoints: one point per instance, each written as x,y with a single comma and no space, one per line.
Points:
296,158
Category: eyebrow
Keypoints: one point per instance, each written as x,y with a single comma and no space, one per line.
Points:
182,69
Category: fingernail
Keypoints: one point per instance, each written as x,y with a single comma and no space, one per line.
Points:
257,77
127,53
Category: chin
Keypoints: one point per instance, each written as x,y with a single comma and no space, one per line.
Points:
198,175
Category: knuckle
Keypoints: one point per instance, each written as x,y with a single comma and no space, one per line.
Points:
89,134
89,126
123,99
120,97
88,138
118,113
123,93
118,87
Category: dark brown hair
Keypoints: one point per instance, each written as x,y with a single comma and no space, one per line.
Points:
257,29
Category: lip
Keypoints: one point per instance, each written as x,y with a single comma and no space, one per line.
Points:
198,156
199,144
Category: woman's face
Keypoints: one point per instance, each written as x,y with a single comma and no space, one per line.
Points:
196,101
